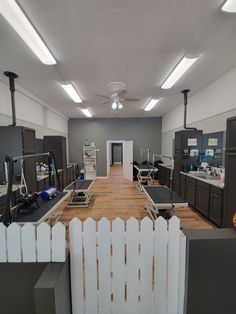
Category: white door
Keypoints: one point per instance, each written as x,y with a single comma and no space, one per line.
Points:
128,160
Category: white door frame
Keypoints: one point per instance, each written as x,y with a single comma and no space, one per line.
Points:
108,147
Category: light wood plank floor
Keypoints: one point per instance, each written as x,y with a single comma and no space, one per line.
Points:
117,197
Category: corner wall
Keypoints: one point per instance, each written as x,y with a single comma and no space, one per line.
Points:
31,112
207,110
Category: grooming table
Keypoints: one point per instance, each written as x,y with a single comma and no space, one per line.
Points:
80,195
161,203
144,175
46,208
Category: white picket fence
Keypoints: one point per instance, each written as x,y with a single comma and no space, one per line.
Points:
32,244
118,269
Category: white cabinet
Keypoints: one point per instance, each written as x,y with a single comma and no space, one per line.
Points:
90,163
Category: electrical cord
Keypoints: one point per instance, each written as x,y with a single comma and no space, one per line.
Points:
23,184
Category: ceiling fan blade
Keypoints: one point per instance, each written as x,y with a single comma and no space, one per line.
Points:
131,99
104,103
104,96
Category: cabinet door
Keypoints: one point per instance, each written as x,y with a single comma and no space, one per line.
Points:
230,194
182,187
202,200
176,182
191,192
167,177
216,209
161,175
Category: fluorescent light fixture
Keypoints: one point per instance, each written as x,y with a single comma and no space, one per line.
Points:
178,71
69,88
229,6
87,113
114,105
151,104
11,11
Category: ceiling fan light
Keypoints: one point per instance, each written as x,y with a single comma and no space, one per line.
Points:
120,105
114,105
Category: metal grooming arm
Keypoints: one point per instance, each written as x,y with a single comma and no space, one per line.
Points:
10,176
143,150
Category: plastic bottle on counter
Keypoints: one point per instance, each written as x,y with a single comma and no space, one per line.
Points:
222,175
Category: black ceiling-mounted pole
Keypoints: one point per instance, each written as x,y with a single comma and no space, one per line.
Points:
12,77
185,93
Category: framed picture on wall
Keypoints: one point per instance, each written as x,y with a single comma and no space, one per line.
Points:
192,141
212,141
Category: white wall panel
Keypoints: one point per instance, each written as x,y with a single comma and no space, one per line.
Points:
217,98
55,122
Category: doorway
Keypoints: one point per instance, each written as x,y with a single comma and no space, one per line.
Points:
121,155
116,154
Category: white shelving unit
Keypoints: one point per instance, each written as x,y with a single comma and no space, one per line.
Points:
90,162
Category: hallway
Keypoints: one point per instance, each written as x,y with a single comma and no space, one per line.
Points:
117,197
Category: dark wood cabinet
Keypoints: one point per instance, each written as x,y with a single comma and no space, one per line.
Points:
191,191
19,141
182,186
230,173
216,207
203,198
164,175
57,144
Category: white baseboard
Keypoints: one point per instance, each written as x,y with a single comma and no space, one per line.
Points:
102,177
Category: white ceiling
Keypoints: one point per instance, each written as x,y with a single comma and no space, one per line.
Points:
133,41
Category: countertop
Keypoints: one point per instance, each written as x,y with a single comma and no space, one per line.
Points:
216,183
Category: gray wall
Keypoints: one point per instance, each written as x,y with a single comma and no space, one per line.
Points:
209,125
145,132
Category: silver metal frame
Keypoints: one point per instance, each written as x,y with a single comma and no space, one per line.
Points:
79,201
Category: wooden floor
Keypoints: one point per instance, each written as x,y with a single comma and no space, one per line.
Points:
118,197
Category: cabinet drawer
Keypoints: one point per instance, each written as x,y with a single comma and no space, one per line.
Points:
203,185
190,180
216,190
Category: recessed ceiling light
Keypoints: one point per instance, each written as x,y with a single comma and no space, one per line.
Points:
151,104
87,113
69,88
178,71
229,6
11,11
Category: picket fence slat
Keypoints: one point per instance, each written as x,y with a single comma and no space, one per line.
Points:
173,265
28,243
118,266
3,243
43,243
160,266
146,265
115,268
90,265
58,242
104,267
182,261
76,263
132,266
14,243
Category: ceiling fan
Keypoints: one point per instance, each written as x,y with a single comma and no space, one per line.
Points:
116,89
